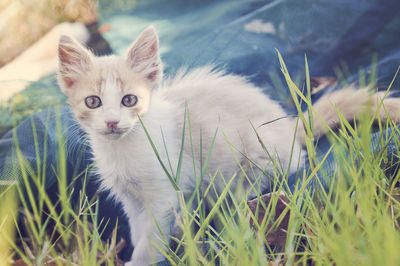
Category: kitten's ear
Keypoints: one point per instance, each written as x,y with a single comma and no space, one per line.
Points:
144,57
74,61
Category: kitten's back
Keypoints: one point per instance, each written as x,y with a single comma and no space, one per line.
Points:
231,104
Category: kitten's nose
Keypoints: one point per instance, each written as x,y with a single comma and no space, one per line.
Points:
112,124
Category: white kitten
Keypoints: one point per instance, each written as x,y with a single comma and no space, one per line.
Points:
109,94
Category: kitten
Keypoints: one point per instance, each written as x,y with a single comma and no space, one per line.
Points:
109,95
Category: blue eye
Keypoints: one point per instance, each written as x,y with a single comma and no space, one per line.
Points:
93,102
129,100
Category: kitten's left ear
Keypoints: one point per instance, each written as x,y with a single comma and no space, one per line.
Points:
144,57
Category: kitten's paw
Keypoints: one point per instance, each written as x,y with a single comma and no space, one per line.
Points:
129,263
134,262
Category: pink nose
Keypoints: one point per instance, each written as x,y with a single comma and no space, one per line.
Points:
112,124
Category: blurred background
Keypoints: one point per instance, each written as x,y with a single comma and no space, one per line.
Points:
23,22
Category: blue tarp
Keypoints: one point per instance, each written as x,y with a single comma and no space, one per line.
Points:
339,38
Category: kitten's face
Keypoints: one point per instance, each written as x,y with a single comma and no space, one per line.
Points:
107,94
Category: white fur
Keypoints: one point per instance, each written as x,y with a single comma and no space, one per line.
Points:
349,102
130,169
126,161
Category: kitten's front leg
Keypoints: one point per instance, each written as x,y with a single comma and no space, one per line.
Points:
146,234
140,256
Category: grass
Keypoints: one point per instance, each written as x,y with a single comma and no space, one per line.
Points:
50,231
352,220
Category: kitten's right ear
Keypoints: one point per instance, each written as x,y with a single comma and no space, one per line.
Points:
74,61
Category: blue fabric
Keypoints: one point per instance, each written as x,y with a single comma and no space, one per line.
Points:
242,37
194,33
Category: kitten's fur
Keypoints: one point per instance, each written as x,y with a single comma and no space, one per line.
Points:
125,159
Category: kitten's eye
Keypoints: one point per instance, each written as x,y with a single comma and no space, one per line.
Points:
129,100
93,102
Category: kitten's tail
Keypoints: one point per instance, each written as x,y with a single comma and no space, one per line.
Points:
350,102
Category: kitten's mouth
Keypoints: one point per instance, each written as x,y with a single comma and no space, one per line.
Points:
114,132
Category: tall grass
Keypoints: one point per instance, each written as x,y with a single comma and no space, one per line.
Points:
50,231
346,215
